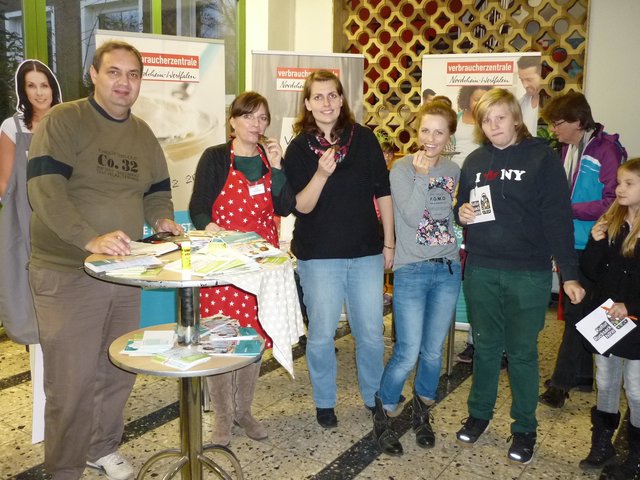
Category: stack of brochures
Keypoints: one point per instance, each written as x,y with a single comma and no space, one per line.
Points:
221,327
182,358
225,262
223,335
143,257
111,264
150,343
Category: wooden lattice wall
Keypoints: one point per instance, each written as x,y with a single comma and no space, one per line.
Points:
394,34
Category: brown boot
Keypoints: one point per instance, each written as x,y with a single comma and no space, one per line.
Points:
221,395
245,387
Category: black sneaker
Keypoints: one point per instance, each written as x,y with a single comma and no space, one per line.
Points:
326,417
471,430
466,356
521,450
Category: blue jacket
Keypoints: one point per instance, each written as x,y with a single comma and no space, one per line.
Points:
593,187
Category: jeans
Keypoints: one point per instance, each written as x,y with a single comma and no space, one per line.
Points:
424,301
327,284
506,309
609,373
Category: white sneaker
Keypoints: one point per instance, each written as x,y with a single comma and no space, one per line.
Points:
114,465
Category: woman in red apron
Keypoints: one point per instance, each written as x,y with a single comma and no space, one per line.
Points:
239,186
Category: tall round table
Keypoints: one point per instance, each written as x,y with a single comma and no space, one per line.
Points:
191,455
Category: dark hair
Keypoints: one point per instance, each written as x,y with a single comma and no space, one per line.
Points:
464,95
388,147
528,61
248,102
305,121
438,107
426,92
498,96
110,46
571,107
24,105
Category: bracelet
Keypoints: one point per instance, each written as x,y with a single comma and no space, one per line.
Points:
391,248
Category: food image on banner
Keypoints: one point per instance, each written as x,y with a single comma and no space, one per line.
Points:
182,98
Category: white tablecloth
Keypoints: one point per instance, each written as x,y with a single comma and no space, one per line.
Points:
278,307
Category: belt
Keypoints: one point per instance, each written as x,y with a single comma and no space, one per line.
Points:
444,261
438,260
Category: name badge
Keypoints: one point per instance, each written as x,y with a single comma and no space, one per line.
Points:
257,189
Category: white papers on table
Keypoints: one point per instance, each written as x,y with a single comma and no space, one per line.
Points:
150,343
604,332
142,248
125,261
181,357
226,262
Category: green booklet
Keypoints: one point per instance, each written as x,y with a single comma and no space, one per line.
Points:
182,358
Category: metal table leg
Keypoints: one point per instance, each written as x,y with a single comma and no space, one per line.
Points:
190,456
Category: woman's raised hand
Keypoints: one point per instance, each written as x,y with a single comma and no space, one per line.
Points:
274,152
327,162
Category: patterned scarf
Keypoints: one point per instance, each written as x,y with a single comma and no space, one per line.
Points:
318,144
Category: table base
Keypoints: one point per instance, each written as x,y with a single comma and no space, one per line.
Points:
191,457
201,459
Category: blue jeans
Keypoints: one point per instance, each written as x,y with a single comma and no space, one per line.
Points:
424,300
609,373
327,284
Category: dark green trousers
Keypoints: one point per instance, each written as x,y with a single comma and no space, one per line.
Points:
506,310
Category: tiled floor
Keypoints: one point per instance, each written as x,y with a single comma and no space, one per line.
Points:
298,448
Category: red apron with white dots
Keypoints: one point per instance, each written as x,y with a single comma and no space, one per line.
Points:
236,208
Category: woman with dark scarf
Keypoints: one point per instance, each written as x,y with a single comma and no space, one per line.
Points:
336,168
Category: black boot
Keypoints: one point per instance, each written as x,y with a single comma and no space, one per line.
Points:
385,438
630,469
603,427
420,421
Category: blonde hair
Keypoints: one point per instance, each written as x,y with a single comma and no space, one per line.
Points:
616,215
493,97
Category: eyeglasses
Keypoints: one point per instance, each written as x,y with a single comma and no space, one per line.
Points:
558,123
250,117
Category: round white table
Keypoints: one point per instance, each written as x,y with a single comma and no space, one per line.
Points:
191,454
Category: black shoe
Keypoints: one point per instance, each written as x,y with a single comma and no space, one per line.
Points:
386,439
553,397
393,414
326,417
466,356
602,453
421,423
471,430
521,450
582,386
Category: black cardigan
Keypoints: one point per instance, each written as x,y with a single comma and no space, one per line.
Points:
618,278
211,175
